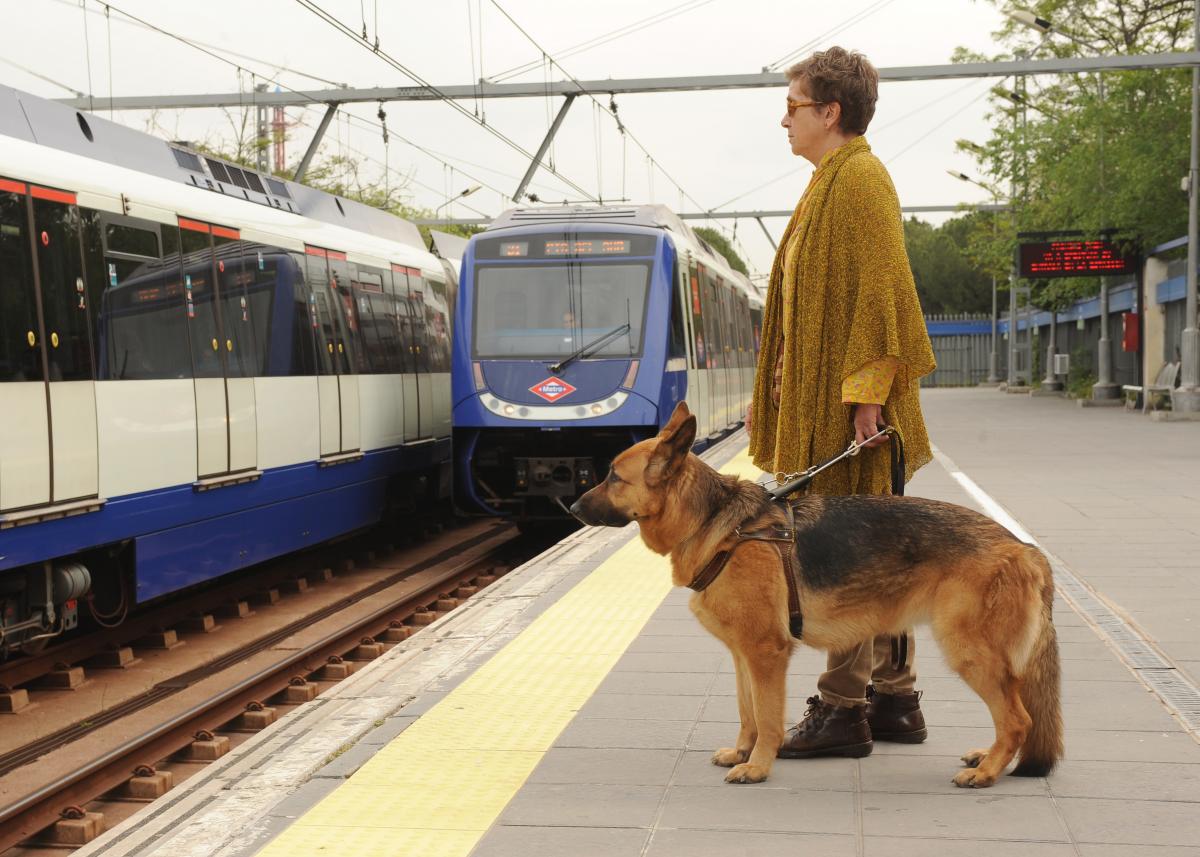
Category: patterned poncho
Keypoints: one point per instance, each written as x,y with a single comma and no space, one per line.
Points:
844,295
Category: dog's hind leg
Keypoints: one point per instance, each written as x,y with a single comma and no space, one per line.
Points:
1002,694
727,757
766,664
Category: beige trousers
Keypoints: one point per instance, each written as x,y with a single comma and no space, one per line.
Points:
844,683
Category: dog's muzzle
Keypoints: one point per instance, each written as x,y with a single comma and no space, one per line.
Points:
606,516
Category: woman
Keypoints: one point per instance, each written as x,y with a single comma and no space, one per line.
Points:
844,345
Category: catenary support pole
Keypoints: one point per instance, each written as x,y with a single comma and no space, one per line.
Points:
767,232
541,152
316,142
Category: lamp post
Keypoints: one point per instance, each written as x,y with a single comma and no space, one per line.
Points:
1105,387
460,195
993,376
1187,397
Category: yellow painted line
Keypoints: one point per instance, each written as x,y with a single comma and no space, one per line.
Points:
441,783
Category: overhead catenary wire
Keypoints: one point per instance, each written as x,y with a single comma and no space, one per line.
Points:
133,21
213,53
341,27
604,38
602,107
41,76
856,18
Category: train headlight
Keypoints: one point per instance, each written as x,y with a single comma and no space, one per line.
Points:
597,408
509,410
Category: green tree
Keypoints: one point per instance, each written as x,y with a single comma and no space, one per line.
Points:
723,246
1074,161
947,279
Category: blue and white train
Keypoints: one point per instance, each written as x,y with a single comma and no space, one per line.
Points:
579,328
201,367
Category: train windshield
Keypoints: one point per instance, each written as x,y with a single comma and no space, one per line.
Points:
553,310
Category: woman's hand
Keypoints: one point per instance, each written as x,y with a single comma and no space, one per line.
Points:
868,422
749,414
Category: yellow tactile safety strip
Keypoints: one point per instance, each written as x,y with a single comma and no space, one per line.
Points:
438,787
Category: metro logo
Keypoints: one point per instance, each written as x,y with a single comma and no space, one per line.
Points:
552,389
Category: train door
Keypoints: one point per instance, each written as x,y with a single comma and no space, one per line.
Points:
408,350
223,348
698,380
437,326
348,352
337,387
420,343
716,349
48,448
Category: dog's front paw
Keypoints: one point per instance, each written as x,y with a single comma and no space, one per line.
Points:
973,758
973,778
747,773
727,757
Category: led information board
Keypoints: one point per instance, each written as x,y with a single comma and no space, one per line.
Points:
1073,259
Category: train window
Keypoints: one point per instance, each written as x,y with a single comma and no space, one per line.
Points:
303,349
120,238
245,306
542,310
698,330
349,355
416,319
317,275
395,288
20,336
678,343
201,305
437,325
368,299
68,344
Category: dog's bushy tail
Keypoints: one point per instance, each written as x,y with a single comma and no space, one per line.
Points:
1040,687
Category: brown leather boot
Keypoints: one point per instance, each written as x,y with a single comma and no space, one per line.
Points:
828,730
896,716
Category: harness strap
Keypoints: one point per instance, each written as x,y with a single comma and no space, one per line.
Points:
785,540
711,571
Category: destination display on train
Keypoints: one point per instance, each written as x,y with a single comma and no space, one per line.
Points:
1073,259
565,246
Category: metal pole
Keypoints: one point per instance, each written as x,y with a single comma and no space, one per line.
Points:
1051,382
993,358
774,246
316,142
1187,397
541,152
1104,388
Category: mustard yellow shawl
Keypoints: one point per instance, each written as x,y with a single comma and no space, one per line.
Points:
842,296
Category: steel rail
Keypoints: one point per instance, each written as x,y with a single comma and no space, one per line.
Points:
37,810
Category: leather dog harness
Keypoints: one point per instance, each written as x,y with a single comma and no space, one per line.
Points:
784,538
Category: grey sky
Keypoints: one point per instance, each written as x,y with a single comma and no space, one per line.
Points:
717,145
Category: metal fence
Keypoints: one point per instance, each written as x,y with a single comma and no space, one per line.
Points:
962,347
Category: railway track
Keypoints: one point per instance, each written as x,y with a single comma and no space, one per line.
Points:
64,787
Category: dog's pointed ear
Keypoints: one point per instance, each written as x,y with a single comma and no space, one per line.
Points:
680,414
674,443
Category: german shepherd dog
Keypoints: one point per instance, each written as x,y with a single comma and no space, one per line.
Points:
867,565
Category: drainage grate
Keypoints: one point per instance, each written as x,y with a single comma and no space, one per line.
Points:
1177,692
1174,688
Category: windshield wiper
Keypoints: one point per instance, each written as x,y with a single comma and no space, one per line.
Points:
594,345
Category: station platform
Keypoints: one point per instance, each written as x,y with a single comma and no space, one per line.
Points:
572,707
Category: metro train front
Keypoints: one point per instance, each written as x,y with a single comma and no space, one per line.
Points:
578,330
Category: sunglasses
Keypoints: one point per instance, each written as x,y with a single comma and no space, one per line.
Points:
793,106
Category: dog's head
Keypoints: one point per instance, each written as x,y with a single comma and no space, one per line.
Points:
640,477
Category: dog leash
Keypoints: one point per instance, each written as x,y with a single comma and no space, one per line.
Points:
789,483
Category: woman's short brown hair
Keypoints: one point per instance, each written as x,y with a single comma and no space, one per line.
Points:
846,77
